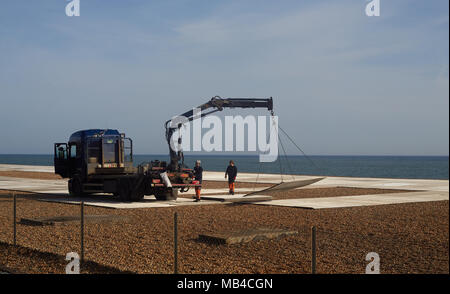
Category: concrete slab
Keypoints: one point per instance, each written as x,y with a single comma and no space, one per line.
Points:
353,182
225,190
109,202
34,185
286,186
59,187
29,168
362,200
58,191
245,236
402,184
237,198
440,189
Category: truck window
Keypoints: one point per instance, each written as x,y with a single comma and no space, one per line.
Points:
127,150
109,150
94,150
73,151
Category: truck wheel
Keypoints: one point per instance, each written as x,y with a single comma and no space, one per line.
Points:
124,190
75,187
137,189
138,195
160,196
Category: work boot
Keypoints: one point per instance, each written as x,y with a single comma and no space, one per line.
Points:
232,192
197,200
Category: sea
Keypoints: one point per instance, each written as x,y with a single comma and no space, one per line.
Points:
406,167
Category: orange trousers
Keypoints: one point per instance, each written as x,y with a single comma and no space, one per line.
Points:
197,192
231,186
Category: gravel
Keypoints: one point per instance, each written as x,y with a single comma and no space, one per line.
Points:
27,260
410,238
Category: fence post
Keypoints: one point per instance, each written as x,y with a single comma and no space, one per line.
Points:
14,219
175,242
82,229
313,250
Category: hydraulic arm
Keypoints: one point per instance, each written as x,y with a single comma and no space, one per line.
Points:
215,104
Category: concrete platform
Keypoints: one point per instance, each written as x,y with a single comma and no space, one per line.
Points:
109,202
245,236
225,190
431,190
29,168
382,183
34,185
363,200
353,182
237,198
59,187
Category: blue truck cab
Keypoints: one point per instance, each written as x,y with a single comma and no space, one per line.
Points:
90,155
101,161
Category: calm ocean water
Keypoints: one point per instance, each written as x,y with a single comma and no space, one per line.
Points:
413,167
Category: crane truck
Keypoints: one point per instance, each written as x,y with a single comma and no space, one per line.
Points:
101,161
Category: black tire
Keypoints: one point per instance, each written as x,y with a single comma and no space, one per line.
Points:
137,189
137,195
75,186
124,188
160,196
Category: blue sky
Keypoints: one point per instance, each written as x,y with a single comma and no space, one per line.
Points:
343,83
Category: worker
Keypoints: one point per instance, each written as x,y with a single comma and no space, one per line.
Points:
198,175
231,172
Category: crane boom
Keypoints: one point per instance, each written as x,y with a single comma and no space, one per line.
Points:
217,104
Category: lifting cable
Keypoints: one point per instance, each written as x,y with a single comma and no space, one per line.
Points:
286,158
278,137
281,167
300,149
285,155
257,177
260,163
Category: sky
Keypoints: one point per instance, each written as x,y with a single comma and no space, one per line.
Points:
343,83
